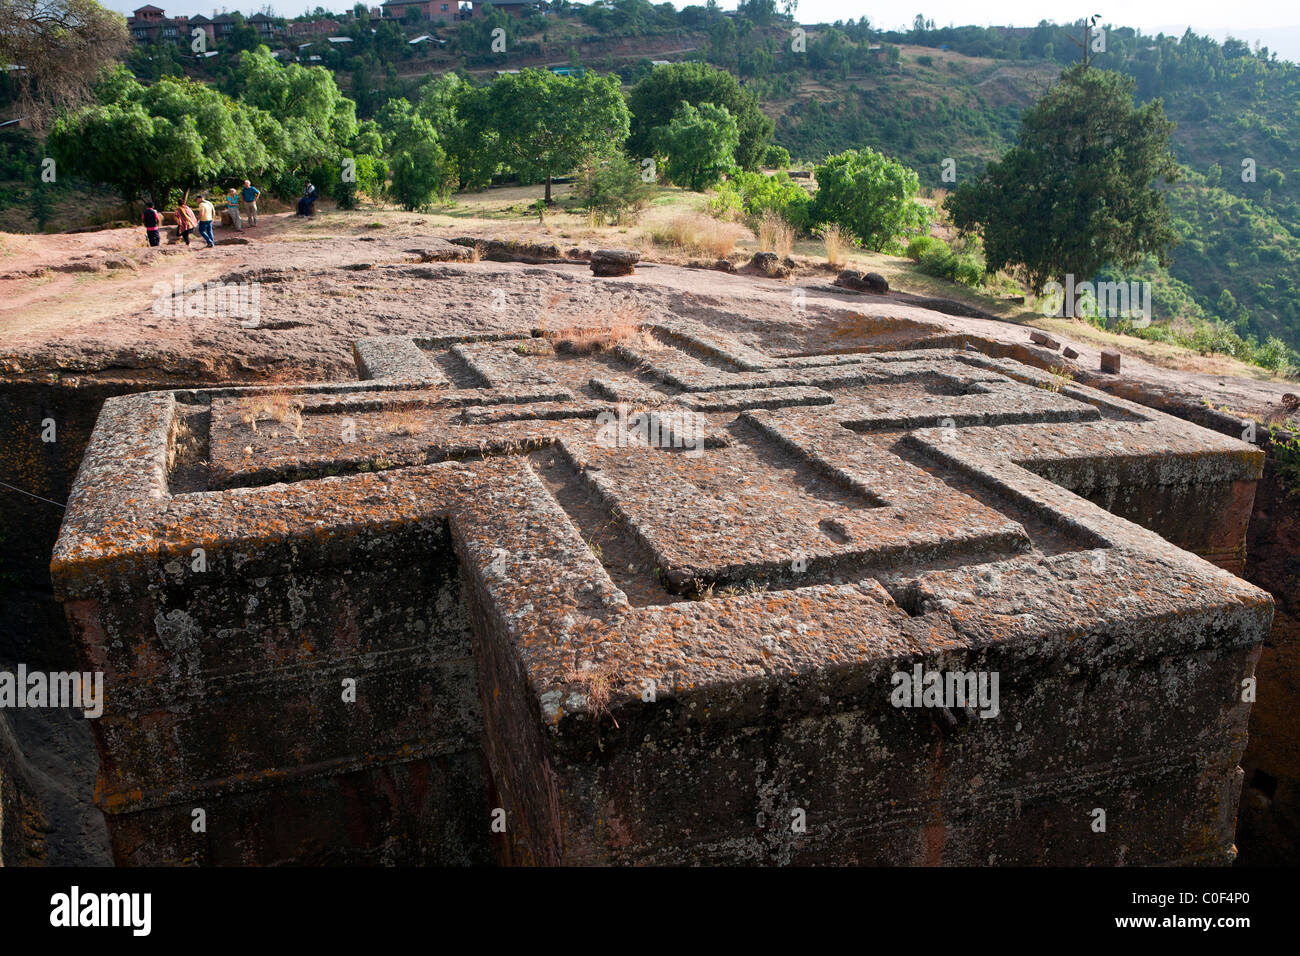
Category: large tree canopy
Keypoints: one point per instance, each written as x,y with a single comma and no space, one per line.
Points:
1079,189
549,125
177,133
459,111
419,165
317,119
535,124
656,98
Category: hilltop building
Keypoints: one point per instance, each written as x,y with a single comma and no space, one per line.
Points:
150,24
433,10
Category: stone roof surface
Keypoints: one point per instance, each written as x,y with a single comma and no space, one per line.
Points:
667,507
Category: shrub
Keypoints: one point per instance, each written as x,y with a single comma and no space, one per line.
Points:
968,270
1273,355
1284,447
776,157
943,263
919,246
367,178
612,189
726,203
777,194
870,195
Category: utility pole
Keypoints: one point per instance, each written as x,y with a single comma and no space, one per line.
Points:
1086,45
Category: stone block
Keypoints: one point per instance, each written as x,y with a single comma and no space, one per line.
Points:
614,262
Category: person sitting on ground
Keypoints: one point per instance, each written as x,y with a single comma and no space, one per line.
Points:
151,222
232,207
206,214
308,198
249,194
185,221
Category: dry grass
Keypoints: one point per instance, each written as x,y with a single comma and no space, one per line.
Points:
620,324
940,215
186,446
645,244
406,421
279,407
836,246
1061,377
700,234
595,683
775,234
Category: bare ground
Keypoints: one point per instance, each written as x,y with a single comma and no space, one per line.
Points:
327,282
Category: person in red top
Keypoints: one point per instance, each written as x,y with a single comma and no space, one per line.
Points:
151,222
185,221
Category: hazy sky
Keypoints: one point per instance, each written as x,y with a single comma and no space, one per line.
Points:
1150,15
1249,21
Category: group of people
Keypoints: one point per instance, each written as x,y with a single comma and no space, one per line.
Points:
201,218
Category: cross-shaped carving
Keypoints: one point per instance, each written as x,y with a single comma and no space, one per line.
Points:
798,529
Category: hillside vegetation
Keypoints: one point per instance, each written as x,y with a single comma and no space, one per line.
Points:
944,102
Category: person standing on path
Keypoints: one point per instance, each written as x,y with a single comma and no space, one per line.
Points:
151,221
232,207
185,221
249,194
206,213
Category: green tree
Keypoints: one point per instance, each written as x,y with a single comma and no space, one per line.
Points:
656,98
390,42
612,189
160,138
474,36
699,145
315,127
420,174
317,120
460,112
1079,189
761,12
155,60
241,36
550,125
760,194
870,195
419,166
